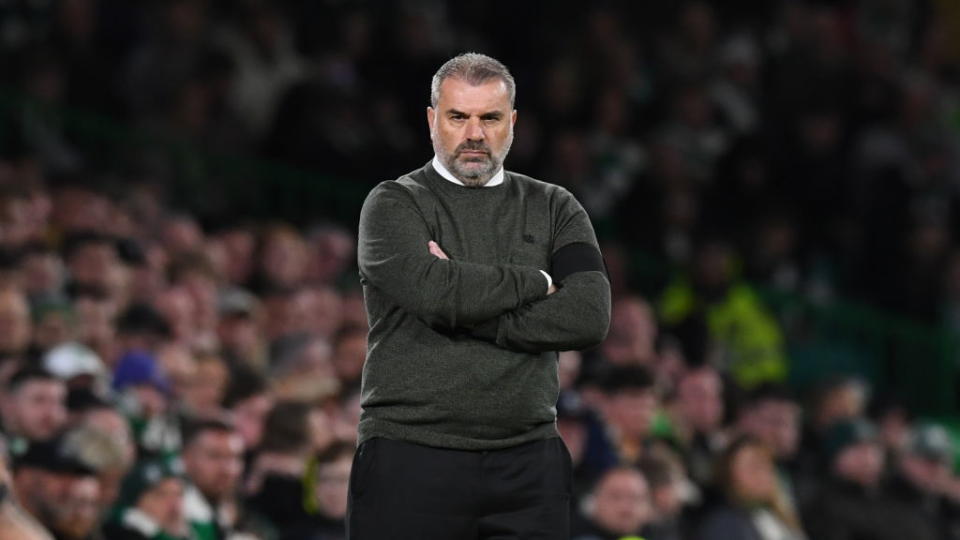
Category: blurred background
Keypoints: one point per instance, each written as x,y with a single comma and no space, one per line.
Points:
775,184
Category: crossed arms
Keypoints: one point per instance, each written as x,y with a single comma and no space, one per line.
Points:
503,303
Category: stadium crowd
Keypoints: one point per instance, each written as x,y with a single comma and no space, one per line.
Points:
167,374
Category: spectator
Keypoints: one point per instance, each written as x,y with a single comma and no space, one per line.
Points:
44,479
630,403
144,399
696,419
851,502
671,492
923,472
618,506
276,478
33,407
752,507
15,324
152,504
213,463
249,401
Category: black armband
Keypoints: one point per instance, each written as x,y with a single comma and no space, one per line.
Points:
576,257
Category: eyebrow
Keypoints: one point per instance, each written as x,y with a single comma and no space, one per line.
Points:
493,115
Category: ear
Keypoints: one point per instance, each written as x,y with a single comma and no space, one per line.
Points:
431,117
513,118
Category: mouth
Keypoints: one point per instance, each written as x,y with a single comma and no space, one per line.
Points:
473,156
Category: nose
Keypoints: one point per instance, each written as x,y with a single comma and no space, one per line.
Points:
474,130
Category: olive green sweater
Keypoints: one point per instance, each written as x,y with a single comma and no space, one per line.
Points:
462,352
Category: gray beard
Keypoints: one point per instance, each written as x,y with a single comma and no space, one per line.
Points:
475,178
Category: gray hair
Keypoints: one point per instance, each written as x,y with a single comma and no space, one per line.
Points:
472,68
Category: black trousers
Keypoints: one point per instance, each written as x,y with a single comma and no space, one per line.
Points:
405,491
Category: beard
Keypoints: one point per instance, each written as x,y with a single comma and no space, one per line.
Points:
474,171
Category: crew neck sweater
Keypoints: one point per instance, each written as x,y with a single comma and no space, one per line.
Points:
461,353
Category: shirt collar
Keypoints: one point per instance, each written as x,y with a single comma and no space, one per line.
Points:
496,180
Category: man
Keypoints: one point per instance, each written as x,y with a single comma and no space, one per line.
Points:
630,404
696,415
620,506
151,504
923,472
34,407
47,480
458,437
213,463
851,505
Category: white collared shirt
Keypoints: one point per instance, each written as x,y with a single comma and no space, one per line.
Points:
496,180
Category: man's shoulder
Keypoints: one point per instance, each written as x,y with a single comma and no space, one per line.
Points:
532,185
411,184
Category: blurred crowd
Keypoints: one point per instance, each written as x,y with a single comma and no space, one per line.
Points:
168,375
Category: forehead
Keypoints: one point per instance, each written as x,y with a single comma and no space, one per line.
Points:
458,94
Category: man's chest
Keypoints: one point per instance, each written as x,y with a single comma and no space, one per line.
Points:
515,231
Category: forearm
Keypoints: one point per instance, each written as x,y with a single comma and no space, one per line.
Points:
576,317
393,258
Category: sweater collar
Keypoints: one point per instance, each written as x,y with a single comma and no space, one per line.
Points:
496,180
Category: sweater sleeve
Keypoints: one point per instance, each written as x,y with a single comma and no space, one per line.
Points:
577,316
393,257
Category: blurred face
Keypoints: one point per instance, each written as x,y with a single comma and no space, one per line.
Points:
164,503
42,273
214,463
205,392
632,412
622,502
841,403
860,463
332,481
79,513
777,424
55,328
42,493
95,325
633,332
349,358
472,128
94,264
15,327
929,475
179,308
321,430
249,415
284,259
37,410
239,246
752,474
700,396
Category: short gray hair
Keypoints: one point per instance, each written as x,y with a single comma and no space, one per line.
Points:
472,68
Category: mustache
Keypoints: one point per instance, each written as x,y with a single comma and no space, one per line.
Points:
472,146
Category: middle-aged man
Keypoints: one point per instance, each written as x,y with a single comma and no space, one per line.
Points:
473,277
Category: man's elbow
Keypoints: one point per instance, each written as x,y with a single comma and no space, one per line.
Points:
592,325
595,328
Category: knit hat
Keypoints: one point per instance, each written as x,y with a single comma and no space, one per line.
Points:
144,476
138,368
846,433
